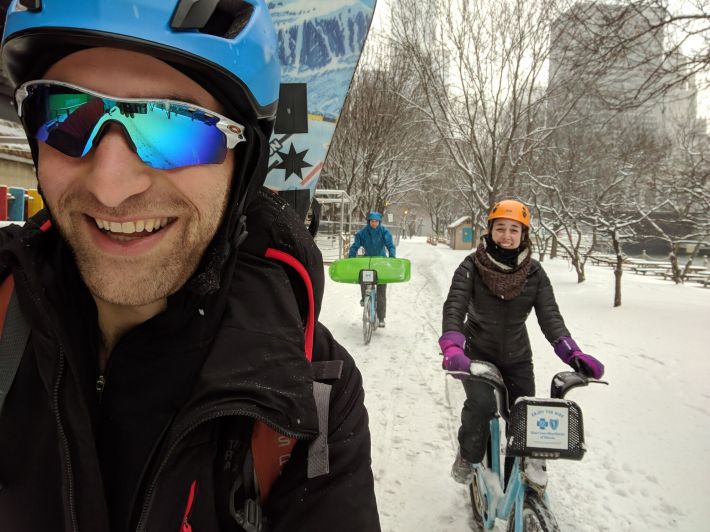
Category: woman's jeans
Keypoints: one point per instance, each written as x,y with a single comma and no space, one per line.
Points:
480,405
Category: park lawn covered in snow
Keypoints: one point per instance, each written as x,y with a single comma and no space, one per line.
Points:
647,433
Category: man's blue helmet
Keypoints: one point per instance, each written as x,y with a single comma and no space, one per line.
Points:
374,215
227,46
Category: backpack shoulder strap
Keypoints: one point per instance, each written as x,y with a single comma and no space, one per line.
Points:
271,450
15,332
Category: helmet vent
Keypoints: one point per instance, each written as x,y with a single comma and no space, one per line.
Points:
222,18
31,5
228,19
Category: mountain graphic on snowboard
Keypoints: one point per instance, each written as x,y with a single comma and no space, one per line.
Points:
320,43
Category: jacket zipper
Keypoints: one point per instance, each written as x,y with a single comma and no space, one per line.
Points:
147,505
100,384
65,441
68,470
186,526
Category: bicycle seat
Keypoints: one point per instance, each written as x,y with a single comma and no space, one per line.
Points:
490,374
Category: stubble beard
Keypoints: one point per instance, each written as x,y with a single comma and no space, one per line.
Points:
135,281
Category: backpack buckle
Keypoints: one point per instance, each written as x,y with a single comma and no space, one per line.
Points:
251,518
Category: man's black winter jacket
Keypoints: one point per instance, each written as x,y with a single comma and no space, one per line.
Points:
57,439
495,328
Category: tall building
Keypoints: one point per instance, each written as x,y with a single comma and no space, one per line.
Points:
609,68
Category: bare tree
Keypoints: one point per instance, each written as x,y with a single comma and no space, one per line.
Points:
560,185
660,46
375,155
482,67
439,203
589,194
684,189
634,86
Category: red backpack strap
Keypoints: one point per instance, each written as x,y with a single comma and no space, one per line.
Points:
271,450
311,320
6,288
15,333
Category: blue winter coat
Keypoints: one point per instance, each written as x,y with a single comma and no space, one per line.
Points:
374,241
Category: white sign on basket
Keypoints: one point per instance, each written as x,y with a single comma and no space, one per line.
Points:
548,427
367,276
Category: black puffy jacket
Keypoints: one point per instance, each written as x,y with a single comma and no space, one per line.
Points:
495,328
57,439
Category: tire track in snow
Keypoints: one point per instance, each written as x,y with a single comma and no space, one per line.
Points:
412,421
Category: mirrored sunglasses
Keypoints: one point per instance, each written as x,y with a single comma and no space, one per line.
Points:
165,134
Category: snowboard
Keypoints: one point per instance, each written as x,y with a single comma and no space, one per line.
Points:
389,270
320,44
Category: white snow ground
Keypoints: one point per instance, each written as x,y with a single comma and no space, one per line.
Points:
647,433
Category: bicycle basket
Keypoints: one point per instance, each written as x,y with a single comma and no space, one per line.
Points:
546,428
368,277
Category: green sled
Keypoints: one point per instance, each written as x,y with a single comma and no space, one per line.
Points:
388,270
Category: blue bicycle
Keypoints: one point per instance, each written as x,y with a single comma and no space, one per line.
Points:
538,429
368,279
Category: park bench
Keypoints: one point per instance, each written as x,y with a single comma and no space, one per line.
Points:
695,273
702,277
654,267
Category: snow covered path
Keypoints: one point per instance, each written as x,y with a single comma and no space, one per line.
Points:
648,433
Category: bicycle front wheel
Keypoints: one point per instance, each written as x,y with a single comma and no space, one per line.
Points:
367,321
537,517
478,503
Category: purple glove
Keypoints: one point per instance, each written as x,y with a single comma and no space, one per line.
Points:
568,350
451,343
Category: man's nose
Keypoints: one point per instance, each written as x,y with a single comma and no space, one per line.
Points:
116,172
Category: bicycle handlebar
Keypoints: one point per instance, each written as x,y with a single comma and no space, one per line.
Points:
565,381
562,382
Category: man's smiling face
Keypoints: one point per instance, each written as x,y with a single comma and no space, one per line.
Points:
137,233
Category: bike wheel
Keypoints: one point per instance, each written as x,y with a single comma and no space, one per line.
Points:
478,503
537,517
367,320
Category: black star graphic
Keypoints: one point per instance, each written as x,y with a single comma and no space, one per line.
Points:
292,162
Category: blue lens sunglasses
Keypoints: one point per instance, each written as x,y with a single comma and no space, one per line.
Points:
165,134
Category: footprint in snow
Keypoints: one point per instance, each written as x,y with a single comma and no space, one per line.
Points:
621,492
669,508
615,478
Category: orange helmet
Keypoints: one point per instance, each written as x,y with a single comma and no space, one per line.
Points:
512,210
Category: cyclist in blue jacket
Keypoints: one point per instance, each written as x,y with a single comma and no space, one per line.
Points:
374,238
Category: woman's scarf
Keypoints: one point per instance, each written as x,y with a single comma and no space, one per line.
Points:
503,271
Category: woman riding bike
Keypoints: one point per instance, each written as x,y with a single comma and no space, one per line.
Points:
495,288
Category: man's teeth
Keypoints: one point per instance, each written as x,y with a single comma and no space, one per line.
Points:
135,226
